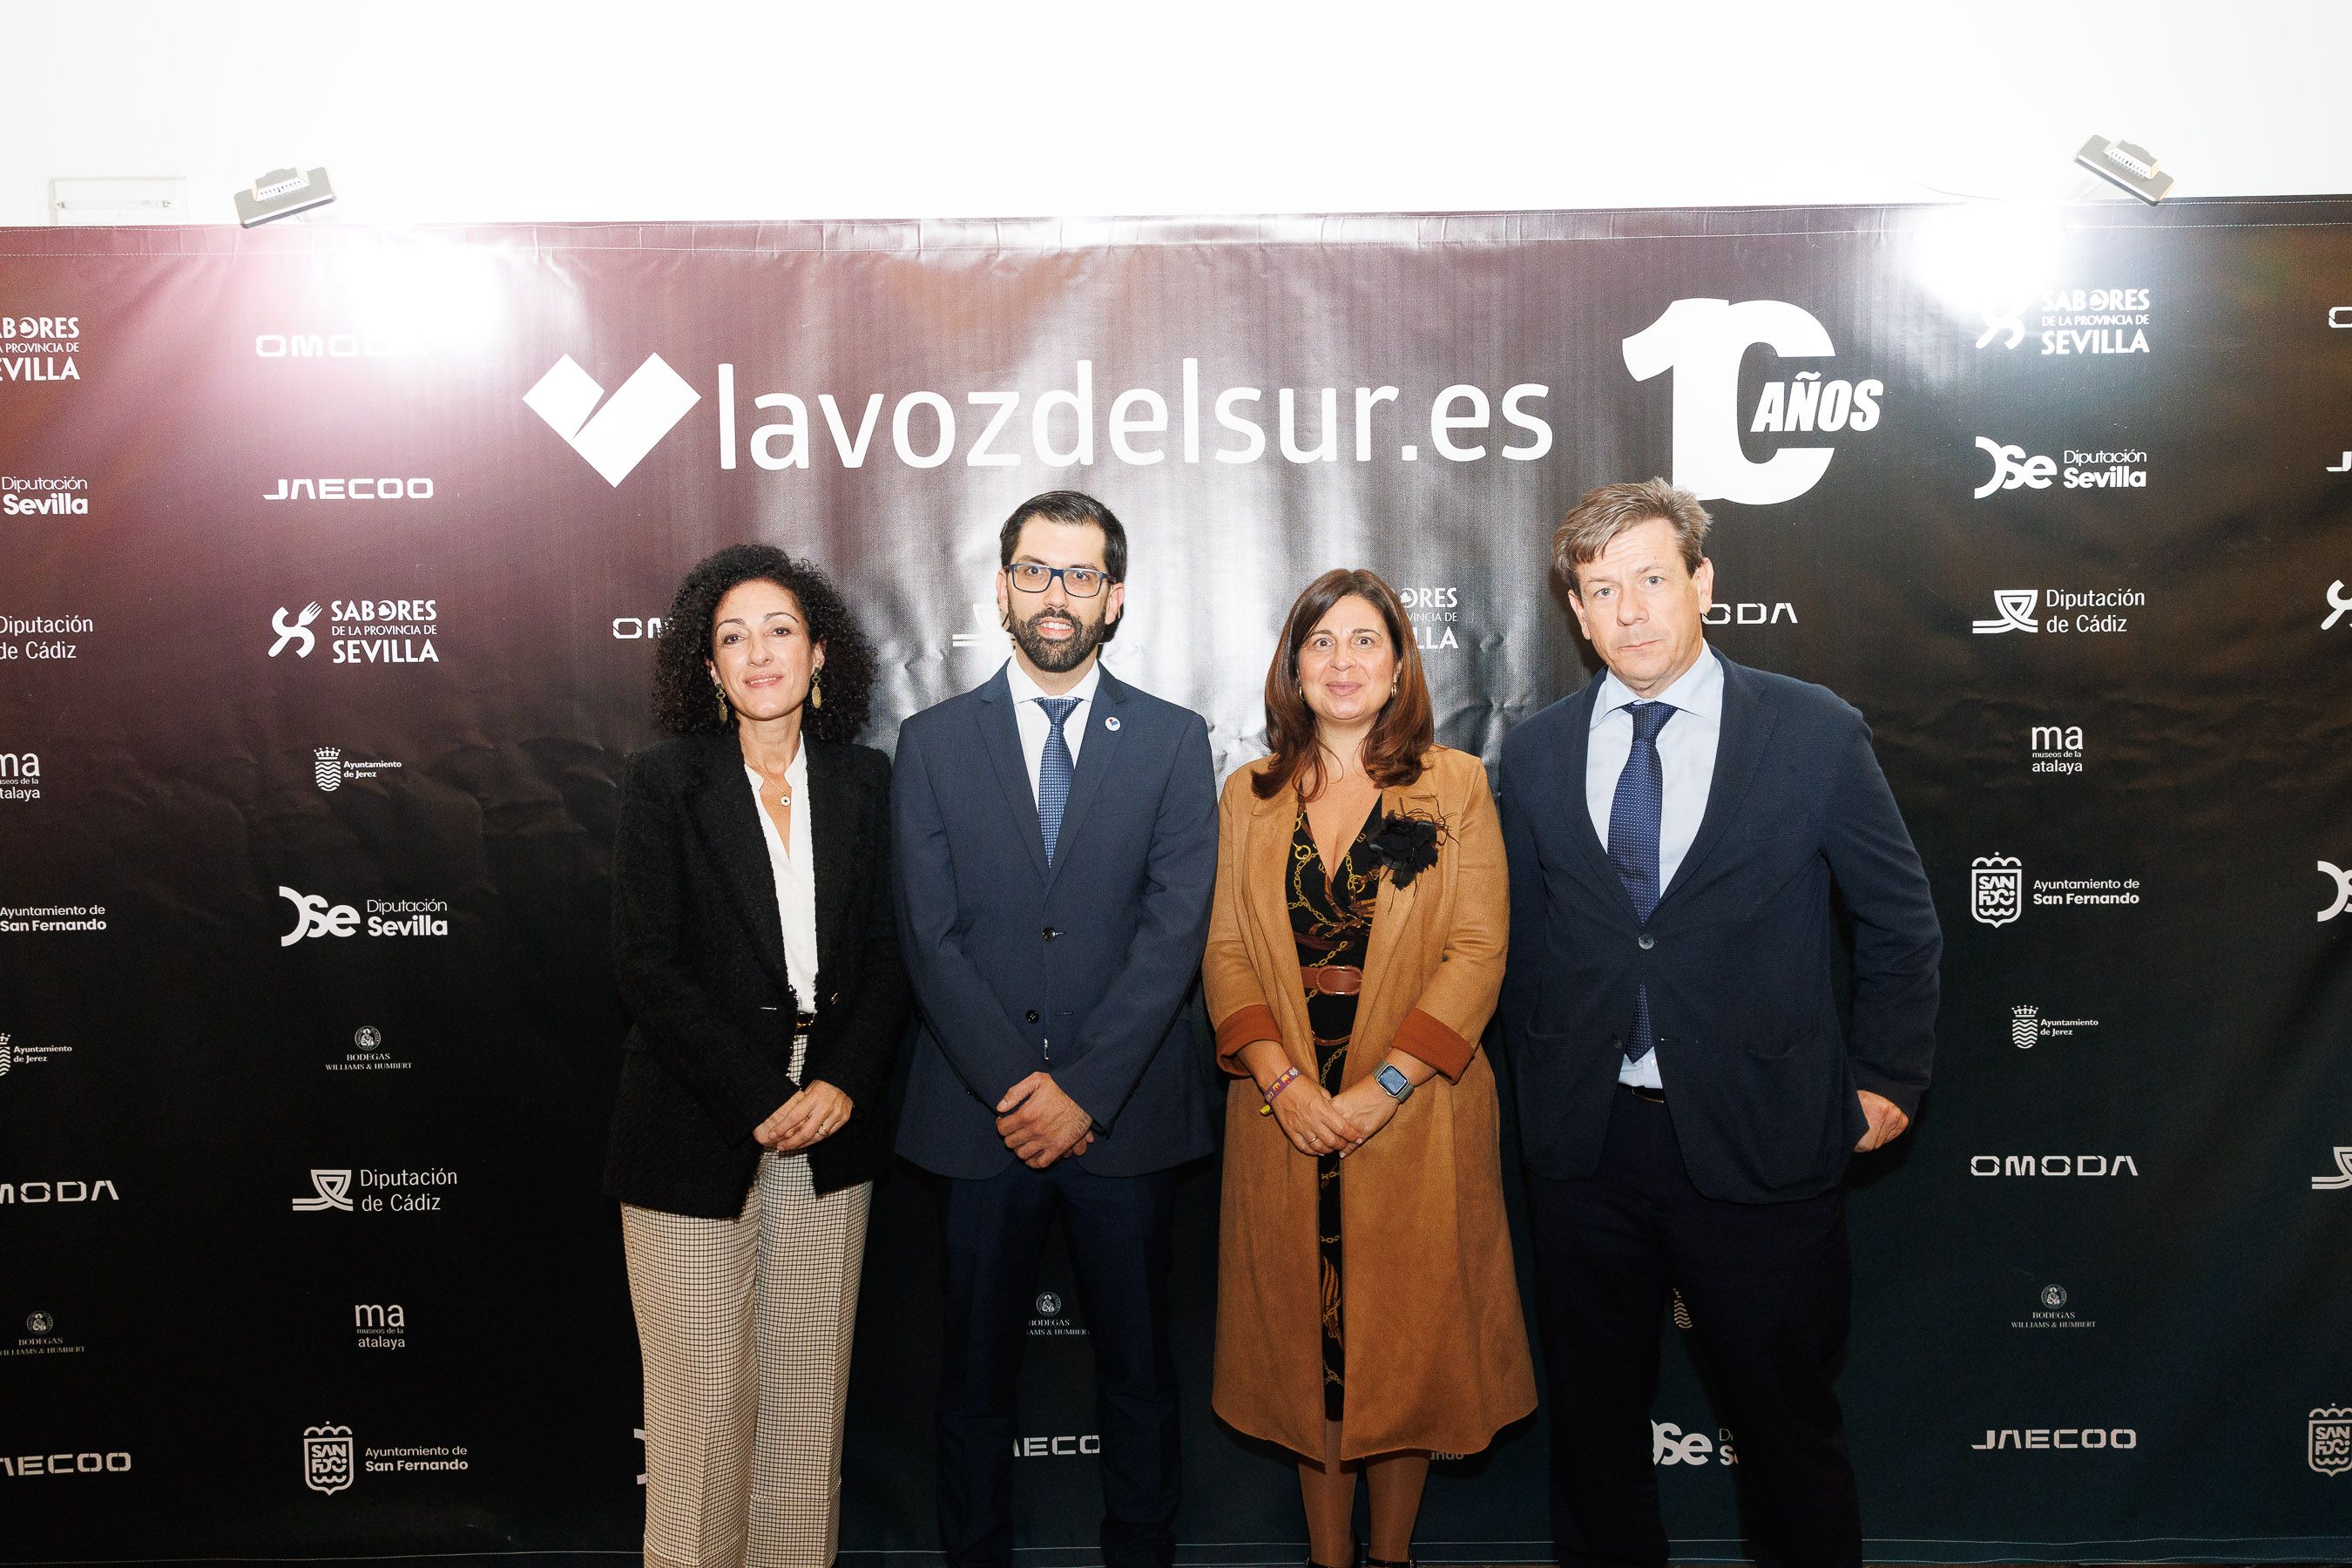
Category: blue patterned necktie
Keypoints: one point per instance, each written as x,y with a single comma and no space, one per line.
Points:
1634,815
1054,770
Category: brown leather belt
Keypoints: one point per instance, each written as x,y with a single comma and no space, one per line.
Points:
1643,1092
1335,980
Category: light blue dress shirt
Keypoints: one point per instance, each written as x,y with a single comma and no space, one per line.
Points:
1687,755
1033,726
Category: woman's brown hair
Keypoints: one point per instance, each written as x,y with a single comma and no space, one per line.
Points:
1400,737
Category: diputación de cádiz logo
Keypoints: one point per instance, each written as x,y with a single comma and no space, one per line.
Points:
333,1191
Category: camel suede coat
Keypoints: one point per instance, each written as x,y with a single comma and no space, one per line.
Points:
1437,1346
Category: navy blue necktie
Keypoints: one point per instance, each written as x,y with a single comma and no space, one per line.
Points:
1054,770
1634,815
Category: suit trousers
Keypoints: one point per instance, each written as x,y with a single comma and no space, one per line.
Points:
745,1327
1121,1244
1769,1292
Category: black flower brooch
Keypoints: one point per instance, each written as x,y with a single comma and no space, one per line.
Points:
1407,844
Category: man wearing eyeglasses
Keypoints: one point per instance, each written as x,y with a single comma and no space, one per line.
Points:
1056,848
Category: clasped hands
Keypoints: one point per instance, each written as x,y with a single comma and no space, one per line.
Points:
1320,1122
1041,1124
817,1112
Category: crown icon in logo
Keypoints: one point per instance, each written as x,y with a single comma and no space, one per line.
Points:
2024,1027
330,767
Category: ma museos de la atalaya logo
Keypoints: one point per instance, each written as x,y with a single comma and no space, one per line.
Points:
1700,344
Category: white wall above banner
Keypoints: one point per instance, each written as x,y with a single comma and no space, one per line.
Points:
452,112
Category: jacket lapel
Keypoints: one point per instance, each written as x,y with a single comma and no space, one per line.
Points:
721,807
834,804
1746,732
1096,756
1393,905
1577,754
1265,886
1001,733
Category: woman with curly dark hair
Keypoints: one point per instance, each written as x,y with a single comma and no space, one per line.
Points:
757,953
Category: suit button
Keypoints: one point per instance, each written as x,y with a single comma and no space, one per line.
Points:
1031,1016
1051,934
1646,941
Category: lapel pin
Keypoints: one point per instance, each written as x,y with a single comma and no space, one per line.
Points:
1111,722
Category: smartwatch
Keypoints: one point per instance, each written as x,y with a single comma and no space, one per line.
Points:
1398,1086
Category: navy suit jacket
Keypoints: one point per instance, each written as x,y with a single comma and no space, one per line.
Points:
1086,969
1737,955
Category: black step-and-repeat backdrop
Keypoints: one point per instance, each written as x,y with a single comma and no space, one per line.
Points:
330,563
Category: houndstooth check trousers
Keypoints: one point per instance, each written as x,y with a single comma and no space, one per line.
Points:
745,1326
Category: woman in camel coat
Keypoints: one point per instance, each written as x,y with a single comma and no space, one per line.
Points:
1369,1316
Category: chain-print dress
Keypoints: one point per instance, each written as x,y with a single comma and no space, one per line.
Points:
1331,920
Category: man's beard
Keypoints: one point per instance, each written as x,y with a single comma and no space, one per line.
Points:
1069,653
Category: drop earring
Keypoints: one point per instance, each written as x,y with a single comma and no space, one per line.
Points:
726,710
816,687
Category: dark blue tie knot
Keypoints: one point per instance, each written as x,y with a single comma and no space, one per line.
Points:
1649,718
1058,709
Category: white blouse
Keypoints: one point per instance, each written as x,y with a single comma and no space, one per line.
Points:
794,871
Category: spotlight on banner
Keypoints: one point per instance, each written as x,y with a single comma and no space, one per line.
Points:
2123,165
282,192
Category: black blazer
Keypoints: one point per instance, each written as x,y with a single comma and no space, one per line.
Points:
1736,955
699,949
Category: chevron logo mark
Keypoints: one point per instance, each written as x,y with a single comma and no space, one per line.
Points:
633,421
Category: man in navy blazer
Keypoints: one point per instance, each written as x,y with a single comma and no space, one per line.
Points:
1687,1099
1055,847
